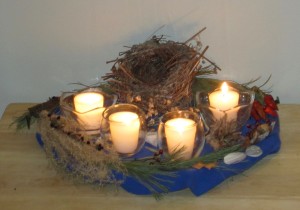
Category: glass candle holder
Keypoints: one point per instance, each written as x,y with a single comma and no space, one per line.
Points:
233,104
86,107
181,130
125,126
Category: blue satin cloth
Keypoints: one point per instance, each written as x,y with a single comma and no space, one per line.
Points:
199,181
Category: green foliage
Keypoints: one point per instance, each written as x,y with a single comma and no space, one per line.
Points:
23,121
154,171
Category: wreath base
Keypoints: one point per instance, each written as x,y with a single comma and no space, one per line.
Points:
199,181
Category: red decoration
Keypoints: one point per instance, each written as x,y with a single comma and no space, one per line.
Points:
269,107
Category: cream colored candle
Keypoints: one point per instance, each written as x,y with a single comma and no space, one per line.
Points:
181,132
225,101
89,108
124,128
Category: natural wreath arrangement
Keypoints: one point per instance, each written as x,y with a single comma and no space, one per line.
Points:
163,80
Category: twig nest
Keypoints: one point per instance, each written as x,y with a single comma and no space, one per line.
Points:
157,74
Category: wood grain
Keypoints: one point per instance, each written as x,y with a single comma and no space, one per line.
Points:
27,180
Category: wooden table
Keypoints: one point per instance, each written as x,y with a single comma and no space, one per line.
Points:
27,180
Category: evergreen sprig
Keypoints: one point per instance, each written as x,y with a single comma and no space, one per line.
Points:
154,172
23,121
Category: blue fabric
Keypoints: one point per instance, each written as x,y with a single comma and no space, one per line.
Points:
202,180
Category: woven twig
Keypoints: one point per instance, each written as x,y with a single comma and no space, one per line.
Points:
159,74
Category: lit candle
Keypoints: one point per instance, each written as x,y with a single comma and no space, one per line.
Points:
89,108
224,101
124,129
181,132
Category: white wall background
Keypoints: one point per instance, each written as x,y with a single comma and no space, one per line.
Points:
47,44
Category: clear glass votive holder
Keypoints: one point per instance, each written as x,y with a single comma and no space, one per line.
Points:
125,126
181,131
239,113
86,108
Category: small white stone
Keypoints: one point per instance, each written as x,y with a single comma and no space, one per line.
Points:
254,151
234,157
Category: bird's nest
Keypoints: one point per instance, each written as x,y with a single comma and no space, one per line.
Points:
158,74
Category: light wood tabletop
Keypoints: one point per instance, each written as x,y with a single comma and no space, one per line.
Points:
28,181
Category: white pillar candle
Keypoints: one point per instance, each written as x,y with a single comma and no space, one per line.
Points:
181,132
124,129
224,101
89,108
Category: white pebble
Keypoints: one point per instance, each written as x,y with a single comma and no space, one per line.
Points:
254,151
234,157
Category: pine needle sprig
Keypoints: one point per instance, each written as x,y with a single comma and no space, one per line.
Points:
25,120
32,113
150,175
155,172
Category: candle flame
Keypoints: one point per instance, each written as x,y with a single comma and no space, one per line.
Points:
224,88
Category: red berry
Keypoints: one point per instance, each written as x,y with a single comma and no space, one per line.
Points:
160,151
